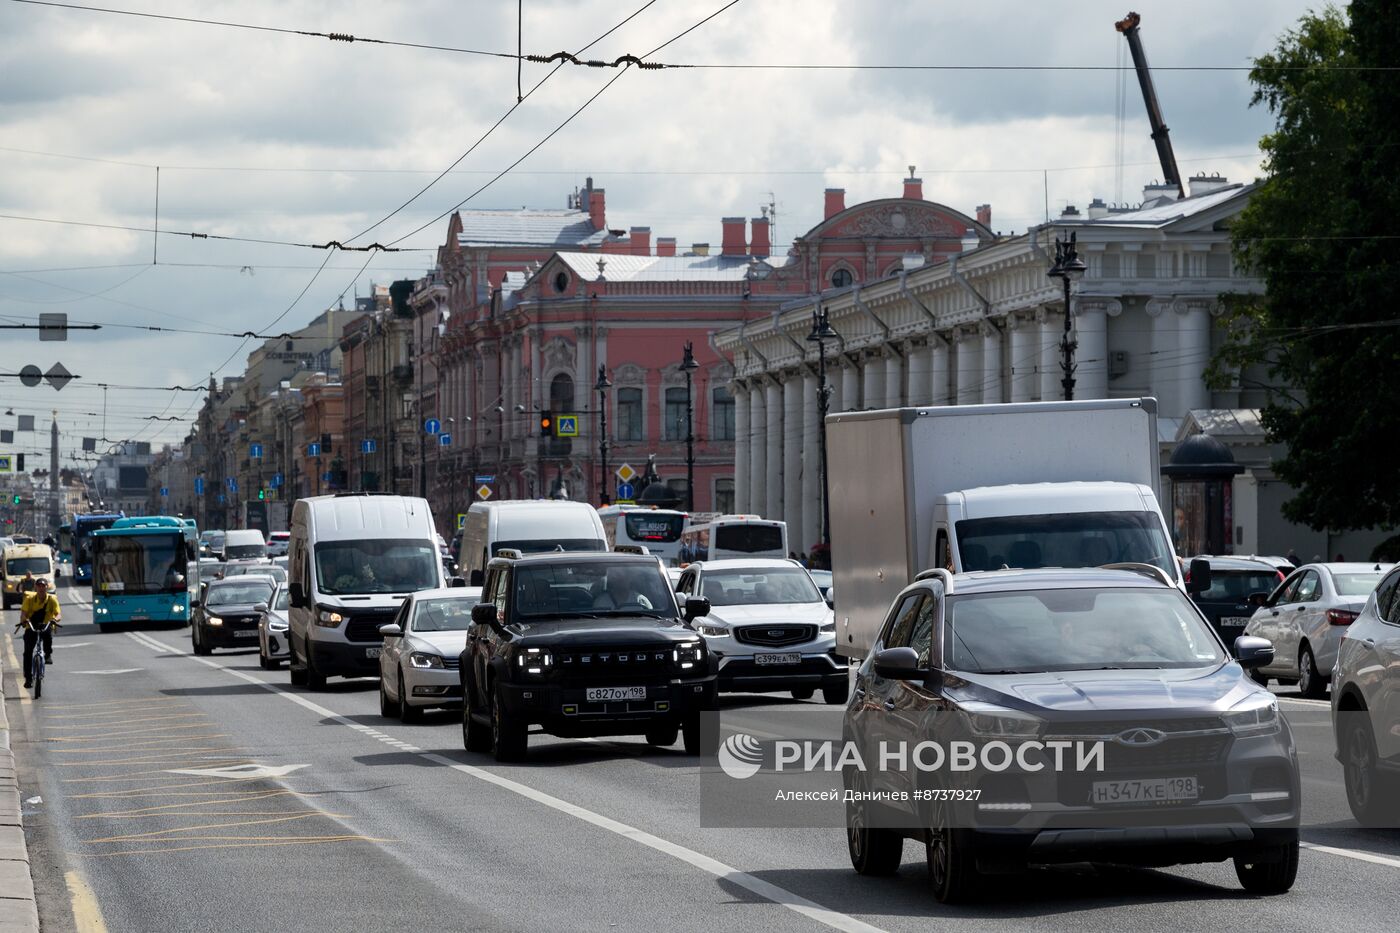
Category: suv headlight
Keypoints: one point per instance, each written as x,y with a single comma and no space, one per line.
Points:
1254,715
534,661
711,629
688,654
425,659
986,719
214,620
328,618
829,626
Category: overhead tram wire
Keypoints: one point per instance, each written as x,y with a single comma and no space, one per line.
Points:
330,246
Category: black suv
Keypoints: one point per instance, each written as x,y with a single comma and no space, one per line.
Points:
582,645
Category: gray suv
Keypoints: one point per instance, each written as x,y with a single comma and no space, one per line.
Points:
1106,721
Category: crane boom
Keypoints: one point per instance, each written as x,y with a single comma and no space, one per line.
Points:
1128,26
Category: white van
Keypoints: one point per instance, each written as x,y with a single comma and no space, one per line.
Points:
352,559
244,544
529,526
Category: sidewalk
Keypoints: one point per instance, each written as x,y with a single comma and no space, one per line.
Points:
18,912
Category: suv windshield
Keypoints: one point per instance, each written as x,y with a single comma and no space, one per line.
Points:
1070,539
1031,631
758,587
449,614
239,594
592,588
1238,585
376,566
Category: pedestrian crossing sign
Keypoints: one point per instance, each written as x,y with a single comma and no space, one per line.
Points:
566,426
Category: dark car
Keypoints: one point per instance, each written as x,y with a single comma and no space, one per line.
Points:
226,614
1193,761
582,645
1225,601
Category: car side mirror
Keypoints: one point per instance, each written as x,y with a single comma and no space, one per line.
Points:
1252,651
485,614
1199,576
296,595
260,607
899,664
830,602
390,630
696,607
1258,599
478,577
457,582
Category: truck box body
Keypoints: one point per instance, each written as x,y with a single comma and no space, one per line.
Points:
898,476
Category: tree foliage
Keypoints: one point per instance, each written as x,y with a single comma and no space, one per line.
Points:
1323,232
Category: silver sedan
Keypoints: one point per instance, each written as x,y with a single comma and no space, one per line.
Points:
273,646
420,660
1306,616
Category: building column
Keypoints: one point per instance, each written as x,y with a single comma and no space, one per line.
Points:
894,377
968,347
1025,355
1051,330
1163,379
811,465
991,363
793,401
1193,319
938,370
850,386
758,447
742,483
873,377
1091,357
773,482
917,390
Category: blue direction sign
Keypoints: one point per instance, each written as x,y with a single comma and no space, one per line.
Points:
432,426
444,440
368,445
276,481
626,490
221,499
199,485
233,484
165,490
313,450
486,478
255,451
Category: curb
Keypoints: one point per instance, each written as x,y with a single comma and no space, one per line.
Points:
19,913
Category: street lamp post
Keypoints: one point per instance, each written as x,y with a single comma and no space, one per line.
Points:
689,366
822,331
603,385
1068,268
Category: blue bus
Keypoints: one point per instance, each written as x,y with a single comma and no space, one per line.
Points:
143,570
81,528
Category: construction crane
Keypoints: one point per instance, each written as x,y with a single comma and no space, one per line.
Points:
1128,26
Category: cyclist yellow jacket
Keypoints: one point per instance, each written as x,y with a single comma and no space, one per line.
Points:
34,604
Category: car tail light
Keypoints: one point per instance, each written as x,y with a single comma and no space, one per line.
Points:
1341,616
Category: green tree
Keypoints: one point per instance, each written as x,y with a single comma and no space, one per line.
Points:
1323,232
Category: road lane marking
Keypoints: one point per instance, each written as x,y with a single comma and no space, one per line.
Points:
115,670
273,818
87,918
248,771
722,872
1353,854
284,841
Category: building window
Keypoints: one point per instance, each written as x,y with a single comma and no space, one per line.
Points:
561,394
841,278
722,416
724,496
674,427
629,415
561,282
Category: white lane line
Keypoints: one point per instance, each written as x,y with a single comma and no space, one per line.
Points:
149,642
1307,704
1353,854
771,892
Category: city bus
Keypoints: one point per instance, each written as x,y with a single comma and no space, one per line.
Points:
65,543
83,525
658,530
141,570
734,536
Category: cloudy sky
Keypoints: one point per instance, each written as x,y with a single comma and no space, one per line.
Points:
283,137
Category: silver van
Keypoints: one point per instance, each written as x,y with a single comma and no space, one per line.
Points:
529,526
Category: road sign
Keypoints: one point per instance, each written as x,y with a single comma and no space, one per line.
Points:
461,520
255,451
199,485
58,376
165,490
233,484
566,426
222,500
313,450
276,481
484,491
432,426
444,440
31,375
7,463
626,490
53,325
368,446
326,476
626,473
486,478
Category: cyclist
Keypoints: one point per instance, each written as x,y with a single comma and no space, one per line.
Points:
39,607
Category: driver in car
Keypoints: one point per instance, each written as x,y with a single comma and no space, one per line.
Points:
623,588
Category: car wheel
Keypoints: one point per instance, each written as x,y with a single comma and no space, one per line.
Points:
952,859
803,693
263,662
315,680
873,851
1310,683
836,695
663,735
387,708
408,713
475,736
1369,790
197,640
1270,870
690,735
297,675
509,739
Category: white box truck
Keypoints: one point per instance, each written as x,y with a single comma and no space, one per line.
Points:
982,487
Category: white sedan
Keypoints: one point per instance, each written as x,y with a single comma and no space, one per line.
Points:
273,644
1306,616
420,660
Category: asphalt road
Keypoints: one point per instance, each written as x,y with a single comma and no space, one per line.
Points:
183,793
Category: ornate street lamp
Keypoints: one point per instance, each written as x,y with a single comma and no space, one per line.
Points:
602,386
1068,268
689,366
822,331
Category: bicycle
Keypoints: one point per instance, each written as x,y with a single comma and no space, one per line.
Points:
38,664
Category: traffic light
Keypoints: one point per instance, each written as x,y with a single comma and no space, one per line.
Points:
546,424
262,495
15,499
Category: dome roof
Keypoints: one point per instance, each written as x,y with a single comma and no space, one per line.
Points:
1202,455
660,496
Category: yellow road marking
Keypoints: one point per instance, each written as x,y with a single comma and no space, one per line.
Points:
294,841
162,788
279,818
141,811
153,743
86,917
128,722
103,736
120,708
110,704
137,775
152,759
16,665
205,814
